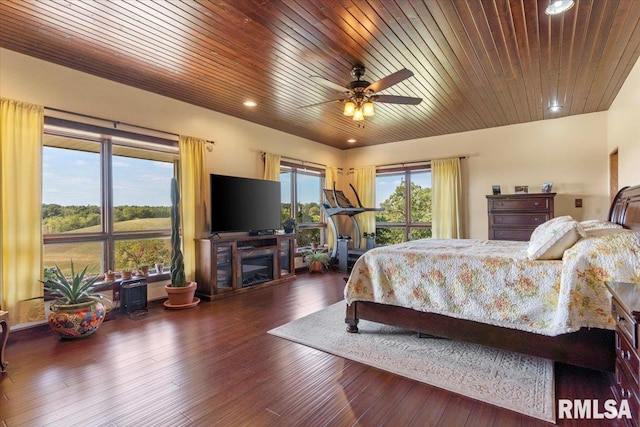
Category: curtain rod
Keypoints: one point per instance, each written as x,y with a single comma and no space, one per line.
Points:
117,122
303,162
415,162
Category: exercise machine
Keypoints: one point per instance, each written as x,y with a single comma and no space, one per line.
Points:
338,204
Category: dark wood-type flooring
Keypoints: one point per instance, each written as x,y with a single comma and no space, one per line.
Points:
216,365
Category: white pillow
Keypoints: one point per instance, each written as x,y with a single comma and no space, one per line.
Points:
598,224
545,225
553,238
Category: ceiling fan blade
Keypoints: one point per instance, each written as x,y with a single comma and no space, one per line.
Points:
390,80
329,84
397,99
322,103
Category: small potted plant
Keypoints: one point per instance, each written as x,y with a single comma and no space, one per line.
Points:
289,225
77,310
143,269
110,276
316,260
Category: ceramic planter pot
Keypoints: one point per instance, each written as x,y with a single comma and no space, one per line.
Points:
316,267
181,297
77,320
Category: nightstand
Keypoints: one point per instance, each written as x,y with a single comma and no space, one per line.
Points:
625,308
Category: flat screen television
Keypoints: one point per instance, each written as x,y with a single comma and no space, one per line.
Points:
244,204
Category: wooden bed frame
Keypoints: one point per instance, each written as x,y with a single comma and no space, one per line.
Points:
589,347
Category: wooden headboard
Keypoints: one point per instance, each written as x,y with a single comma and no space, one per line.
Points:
625,208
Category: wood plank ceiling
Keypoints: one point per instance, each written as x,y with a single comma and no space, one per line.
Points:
477,63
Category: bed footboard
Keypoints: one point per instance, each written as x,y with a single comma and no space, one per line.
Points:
589,348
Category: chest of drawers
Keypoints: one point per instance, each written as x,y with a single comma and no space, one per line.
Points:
625,307
515,216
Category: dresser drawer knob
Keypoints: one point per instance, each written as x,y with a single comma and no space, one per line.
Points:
626,355
625,393
536,204
620,318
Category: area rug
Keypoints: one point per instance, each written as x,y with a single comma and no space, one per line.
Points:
520,383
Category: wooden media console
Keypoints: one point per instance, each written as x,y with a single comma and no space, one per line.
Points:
228,265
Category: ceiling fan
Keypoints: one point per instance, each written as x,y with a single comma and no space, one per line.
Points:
359,95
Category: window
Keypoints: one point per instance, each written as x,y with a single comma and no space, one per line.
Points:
301,197
405,196
106,199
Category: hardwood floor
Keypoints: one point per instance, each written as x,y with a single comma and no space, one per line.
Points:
216,365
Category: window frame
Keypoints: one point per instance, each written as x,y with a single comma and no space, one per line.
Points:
105,136
406,172
295,169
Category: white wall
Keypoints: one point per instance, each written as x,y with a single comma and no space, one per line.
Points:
624,129
571,152
238,142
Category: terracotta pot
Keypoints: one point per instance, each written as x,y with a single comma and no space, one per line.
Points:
181,296
126,275
77,320
316,267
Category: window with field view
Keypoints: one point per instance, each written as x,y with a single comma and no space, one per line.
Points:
301,197
105,201
405,197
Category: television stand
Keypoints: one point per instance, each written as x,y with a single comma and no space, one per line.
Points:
262,233
227,265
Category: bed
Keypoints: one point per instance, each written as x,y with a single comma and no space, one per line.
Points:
556,309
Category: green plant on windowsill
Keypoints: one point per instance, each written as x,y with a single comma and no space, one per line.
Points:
289,225
316,260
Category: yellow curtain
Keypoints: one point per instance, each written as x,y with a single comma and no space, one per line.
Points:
365,184
330,178
271,167
21,133
192,197
446,198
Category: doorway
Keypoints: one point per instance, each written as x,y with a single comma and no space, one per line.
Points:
613,174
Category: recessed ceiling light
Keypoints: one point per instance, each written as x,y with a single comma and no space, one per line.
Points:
558,6
555,108
351,141
249,103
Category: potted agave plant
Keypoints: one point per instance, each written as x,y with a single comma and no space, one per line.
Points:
77,310
180,293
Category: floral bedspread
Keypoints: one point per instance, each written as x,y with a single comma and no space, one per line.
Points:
494,282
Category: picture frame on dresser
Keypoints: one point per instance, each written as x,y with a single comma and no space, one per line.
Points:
522,189
495,189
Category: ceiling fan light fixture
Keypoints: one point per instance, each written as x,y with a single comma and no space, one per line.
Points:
558,6
367,109
358,115
349,108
